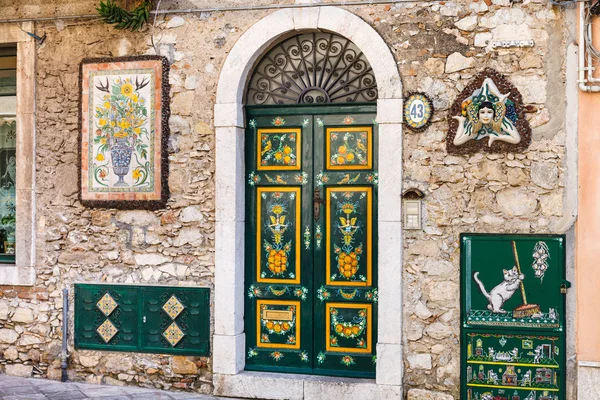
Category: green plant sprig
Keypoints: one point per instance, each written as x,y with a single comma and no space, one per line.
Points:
123,19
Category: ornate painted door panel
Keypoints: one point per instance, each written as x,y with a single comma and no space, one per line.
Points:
345,257
278,248
513,317
310,264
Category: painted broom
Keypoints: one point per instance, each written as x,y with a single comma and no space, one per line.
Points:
524,310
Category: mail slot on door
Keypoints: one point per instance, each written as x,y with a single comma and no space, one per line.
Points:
277,315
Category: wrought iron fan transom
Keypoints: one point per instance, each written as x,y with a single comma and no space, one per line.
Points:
312,68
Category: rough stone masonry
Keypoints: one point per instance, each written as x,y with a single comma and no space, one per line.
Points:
439,47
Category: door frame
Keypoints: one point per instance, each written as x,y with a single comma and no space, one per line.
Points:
230,177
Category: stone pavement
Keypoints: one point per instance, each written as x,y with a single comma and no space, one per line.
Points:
13,388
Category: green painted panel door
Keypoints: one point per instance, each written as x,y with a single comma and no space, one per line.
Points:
513,315
310,233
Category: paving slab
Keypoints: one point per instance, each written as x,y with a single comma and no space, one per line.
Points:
15,388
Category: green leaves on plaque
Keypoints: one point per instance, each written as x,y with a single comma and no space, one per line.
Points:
278,324
278,234
349,235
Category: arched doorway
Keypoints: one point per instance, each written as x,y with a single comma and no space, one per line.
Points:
229,340
311,266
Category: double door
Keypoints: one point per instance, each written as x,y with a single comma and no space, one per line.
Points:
311,253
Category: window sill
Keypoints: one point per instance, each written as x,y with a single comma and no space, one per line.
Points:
16,276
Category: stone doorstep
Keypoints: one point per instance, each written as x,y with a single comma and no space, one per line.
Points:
273,386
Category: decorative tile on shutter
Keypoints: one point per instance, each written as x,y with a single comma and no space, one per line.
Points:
106,317
177,320
150,319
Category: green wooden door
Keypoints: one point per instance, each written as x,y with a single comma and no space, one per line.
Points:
513,317
310,240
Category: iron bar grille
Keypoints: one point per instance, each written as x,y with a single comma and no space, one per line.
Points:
312,68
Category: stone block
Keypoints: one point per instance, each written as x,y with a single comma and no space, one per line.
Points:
183,365
191,214
8,336
229,115
457,62
389,111
117,363
389,364
23,315
468,23
422,394
229,175
229,353
588,376
419,361
28,340
89,361
11,353
260,385
516,202
188,235
137,217
4,310
306,18
326,388
19,370
151,259
229,253
229,309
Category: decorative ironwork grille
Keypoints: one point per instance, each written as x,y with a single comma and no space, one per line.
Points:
313,68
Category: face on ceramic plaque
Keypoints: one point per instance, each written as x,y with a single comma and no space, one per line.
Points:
486,115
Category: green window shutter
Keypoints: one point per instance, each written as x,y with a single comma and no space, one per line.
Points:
106,317
176,320
150,319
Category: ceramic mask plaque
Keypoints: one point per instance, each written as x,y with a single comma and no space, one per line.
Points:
488,116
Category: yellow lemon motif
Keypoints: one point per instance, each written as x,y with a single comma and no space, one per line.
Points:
342,149
278,155
350,156
287,150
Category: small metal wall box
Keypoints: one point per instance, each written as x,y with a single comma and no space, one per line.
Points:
412,199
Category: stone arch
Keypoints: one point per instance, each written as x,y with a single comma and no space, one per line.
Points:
229,338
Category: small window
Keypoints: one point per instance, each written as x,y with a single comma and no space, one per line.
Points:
8,156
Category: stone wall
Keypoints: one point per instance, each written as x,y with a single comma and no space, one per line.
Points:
439,47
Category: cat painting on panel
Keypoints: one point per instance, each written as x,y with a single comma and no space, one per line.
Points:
503,291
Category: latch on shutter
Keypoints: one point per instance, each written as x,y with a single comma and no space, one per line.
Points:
564,286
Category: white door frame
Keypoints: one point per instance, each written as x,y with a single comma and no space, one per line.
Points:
230,178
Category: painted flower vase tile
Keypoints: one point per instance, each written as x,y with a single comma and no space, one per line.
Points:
124,127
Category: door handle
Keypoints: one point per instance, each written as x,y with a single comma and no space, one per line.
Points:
317,201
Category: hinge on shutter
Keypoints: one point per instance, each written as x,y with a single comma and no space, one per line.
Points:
564,286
